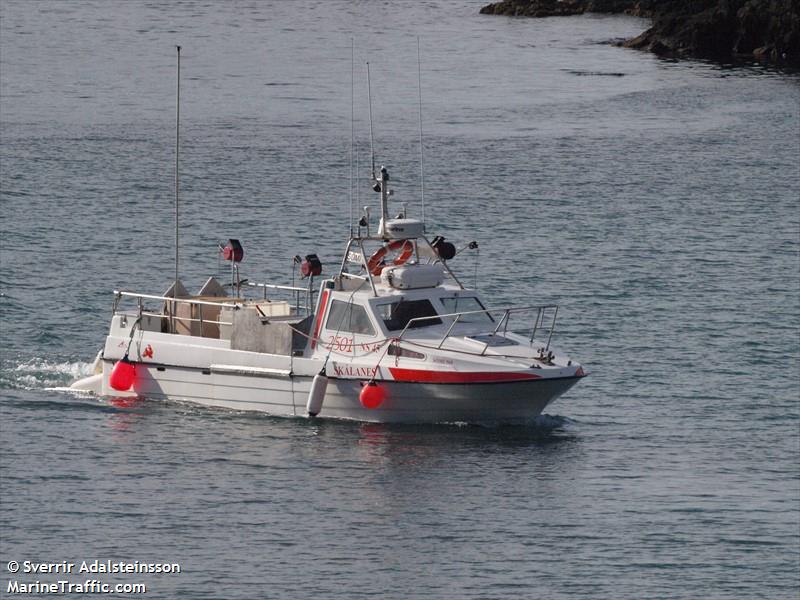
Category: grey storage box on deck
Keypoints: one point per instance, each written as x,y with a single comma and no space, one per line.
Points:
254,333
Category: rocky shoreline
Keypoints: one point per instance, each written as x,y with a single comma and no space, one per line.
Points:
723,30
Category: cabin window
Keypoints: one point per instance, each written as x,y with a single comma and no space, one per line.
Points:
348,317
398,314
458,304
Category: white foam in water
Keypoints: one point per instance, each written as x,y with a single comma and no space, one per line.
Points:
38,373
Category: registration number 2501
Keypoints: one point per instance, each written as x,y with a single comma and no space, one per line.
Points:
342,343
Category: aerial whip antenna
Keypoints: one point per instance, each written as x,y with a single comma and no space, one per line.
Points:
177,163
352,123
421,148
371,137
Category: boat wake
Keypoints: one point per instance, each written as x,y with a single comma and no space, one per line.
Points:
39,373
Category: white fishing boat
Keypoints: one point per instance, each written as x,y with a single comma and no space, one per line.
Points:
391,336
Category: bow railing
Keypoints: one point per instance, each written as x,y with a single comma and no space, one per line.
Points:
544,321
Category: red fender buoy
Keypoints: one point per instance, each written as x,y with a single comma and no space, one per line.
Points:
372,395
122,375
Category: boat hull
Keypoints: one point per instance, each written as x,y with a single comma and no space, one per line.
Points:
286,394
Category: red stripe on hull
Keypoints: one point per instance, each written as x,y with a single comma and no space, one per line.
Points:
322,304
425,376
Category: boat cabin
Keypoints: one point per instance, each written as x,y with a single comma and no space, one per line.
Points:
395,286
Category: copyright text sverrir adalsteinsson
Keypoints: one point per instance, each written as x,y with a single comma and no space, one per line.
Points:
82,577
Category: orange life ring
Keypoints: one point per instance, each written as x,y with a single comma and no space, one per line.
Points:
404,248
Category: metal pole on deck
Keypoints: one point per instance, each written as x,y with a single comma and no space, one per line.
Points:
177,165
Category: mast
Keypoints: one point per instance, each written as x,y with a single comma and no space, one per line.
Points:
382,182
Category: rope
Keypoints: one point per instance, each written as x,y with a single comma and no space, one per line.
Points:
336,335
130,338
378,364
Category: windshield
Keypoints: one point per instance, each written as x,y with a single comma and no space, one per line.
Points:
457,304
397,315
350,318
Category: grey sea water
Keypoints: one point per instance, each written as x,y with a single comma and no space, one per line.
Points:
655,201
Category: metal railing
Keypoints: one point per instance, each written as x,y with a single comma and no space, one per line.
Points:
289,288
538,323
119,294
169,309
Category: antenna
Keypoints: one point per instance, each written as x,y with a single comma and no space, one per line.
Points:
352,123
355,183
177,164
371,138
421,148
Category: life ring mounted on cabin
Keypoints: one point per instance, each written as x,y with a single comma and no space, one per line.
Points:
403,248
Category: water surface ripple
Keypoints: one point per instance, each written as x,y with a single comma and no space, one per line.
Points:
655,201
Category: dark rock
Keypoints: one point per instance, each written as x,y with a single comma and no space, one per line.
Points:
534,8
638,7
561,8
767,30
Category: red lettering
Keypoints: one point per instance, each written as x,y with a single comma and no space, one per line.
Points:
342,344
355,372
